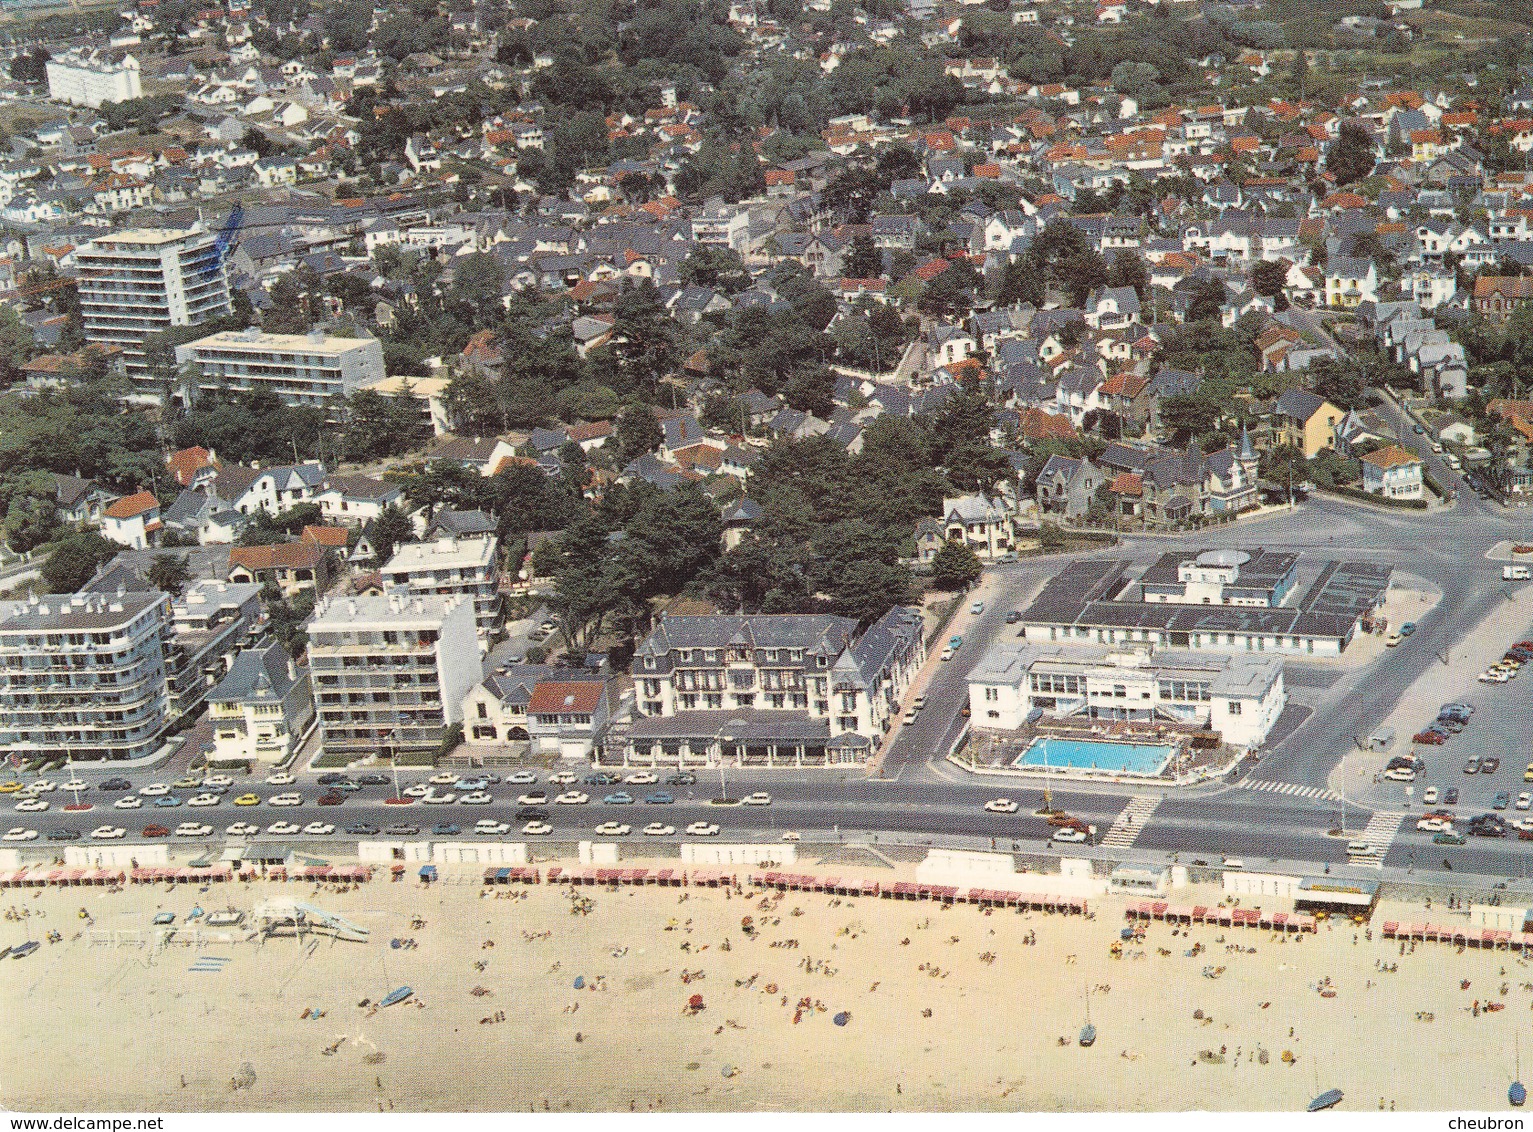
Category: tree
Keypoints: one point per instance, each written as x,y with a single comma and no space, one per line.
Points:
1270,277
1207,302
1350,157
1298,78
391,528
1128,270
1340,382
75,559
379,426
955,567
637,432
31,66
169,573
863,260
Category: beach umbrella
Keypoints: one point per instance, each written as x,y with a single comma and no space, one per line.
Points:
842,1018
580,982
695,1002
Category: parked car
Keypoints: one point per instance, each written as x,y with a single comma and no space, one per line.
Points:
1070,834
1472,765
659,829
642,778
283,828
601,778
1429,796
531,813
156,831
489,827
477,798
759,798
572,798
318,829
1432,738
702,829
285,800
1013,617
1490,765
1450,796
19,833
659,798
614,829
403,829
537,829
1501,801
682,779
331,799
130,802
193,829
362,829
64,835
621,798
243,829
108,833
1001,806
1408,628
1448,837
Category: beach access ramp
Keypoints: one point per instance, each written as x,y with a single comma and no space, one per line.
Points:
272,915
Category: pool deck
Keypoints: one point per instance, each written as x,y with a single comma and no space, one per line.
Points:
1025,760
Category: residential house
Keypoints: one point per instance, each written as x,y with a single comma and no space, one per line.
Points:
1066,486
1393,473
291,567
1306,421
133,521
261,710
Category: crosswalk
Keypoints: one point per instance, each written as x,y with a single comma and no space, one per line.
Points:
1379,834
1293,788
1126,829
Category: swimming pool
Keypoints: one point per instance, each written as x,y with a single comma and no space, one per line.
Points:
1086,754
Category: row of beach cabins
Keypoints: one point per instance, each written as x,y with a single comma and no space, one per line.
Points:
69,878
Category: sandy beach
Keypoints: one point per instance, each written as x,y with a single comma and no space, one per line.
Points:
949,1009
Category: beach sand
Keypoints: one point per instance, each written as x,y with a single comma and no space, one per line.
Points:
934,1024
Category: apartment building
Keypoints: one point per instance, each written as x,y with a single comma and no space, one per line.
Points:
91,80
141,281
314,369
466,566
210,622
85,676
390,673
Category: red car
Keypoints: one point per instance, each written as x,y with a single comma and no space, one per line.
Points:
332,799
1430,738
156,831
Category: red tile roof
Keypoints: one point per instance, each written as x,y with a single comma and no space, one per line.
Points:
565,697
131,505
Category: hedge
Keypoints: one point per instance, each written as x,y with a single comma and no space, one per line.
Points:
1381,500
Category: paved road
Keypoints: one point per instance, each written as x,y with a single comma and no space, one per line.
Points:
917,796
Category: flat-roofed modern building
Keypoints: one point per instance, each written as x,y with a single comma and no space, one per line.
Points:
1097,602
85,676
91,80
466,566
143,281
390,673
314,369
1221,577
1238,696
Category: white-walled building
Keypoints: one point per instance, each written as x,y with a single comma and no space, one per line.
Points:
85,676
466,566
313,369
91,80
390,673
1240,697
142,281
261,708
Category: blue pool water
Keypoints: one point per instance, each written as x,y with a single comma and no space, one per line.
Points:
1130,758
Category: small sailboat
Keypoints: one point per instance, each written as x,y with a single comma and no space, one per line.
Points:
396,996
1516,1095
1088,1031
1328,1099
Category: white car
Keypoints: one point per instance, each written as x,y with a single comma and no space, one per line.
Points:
31,806
443,778
128,802
1434,825
614,829
434,799
533,798
642,778
572,798
659,829
477,798
760,798
564,778
285,800
789,836
44,786
537,828
282,828
1000,806
280,779
946,654
1524,800
1069,834
1429,796
702,829
74,785
193,829
205,800
218,780
318,829
154,790
19,834
243,829
108,832
489,827
521,778
419,790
